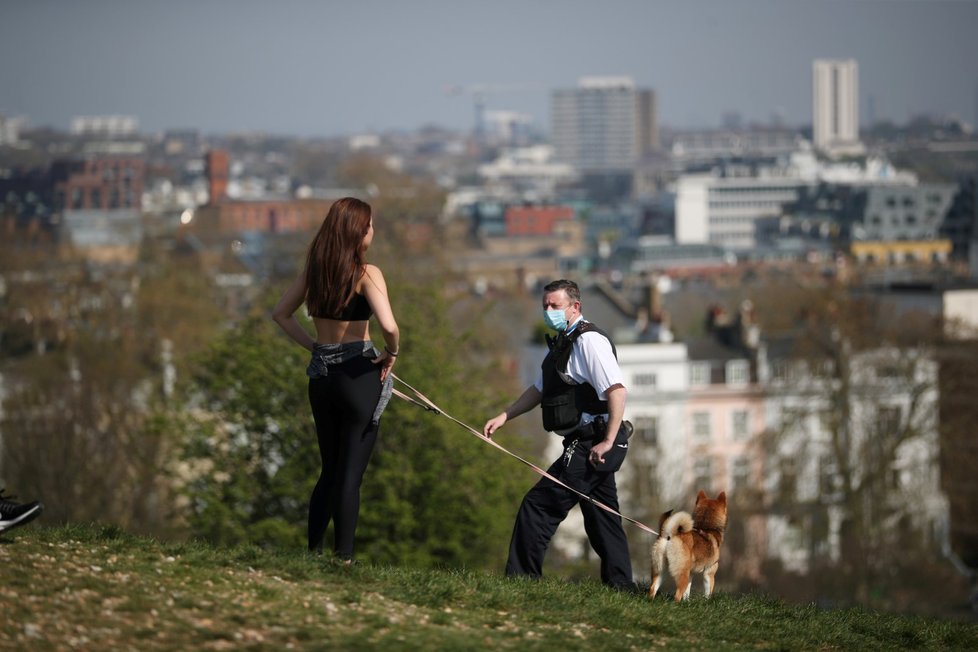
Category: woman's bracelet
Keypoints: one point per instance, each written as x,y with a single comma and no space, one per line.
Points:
392,354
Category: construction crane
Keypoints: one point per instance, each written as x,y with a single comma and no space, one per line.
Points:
479,92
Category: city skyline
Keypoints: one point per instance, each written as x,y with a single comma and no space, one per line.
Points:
326,69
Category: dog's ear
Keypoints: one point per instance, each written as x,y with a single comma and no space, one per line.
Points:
722,497
701,496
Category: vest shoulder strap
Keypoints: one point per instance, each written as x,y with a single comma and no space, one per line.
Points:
587,327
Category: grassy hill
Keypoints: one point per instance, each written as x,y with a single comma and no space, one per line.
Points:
97,588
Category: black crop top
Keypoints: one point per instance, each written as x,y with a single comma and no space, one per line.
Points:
357,310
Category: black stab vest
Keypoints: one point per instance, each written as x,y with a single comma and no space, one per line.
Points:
564,401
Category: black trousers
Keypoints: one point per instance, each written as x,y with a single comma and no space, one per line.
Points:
547,504
343,404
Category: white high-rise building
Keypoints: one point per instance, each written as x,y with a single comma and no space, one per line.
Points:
835,106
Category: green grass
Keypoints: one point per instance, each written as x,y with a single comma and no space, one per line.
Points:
100,589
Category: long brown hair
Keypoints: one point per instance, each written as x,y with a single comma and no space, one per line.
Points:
337,257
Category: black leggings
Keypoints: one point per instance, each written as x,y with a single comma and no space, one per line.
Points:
343,403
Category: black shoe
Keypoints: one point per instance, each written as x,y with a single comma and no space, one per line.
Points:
14,514
627,587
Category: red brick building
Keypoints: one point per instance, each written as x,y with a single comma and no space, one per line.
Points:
222,215
536,220
102,183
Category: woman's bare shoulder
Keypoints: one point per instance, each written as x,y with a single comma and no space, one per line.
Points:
372,276
373,272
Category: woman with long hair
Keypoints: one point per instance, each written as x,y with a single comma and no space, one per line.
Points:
349,380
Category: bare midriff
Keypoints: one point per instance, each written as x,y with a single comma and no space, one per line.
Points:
334,331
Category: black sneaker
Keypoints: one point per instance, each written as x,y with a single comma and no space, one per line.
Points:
13,514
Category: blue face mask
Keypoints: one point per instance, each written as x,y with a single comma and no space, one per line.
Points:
555,319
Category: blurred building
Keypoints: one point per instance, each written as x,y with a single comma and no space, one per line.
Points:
723,207
94,202
536,220
961,222
707,146
526,173
740,205
105,125
603,128
10,129
105,236
223,216
99,183
835,106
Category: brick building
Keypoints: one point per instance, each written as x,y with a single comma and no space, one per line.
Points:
100,183
536,220
224,216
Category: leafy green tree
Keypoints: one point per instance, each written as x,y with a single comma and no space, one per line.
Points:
248,458
433,494
446,497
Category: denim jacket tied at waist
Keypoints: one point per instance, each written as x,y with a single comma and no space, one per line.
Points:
324,355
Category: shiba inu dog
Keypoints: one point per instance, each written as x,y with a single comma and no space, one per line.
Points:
688,544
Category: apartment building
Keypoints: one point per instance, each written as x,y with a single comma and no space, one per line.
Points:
604,125
835,106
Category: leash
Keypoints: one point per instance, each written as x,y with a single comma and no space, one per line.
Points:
427,404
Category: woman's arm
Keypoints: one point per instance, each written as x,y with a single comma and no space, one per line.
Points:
375,289
284,313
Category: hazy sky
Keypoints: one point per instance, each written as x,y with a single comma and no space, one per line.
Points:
308,67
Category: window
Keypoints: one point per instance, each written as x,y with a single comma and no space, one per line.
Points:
644,380
703,474
701,425
699,373
738,372
739,424
888,419
740,473
780,370
647,429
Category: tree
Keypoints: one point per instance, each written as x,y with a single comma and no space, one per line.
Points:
853,456
432,493
76,421
246,460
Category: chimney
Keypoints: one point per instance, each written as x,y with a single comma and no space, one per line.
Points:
218,163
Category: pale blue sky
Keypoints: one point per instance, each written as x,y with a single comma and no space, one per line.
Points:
309,67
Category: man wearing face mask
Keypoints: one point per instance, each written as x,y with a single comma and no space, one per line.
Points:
582,394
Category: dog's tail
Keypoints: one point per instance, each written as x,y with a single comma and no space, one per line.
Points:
676,524
662,521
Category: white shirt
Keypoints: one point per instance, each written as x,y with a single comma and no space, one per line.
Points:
591,361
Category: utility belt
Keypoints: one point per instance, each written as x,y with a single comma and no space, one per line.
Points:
581,440
596,429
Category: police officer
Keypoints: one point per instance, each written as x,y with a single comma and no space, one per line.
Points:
582,395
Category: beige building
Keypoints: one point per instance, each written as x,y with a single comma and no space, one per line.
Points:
835,106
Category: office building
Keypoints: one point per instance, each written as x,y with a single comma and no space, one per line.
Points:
105,125
605,125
